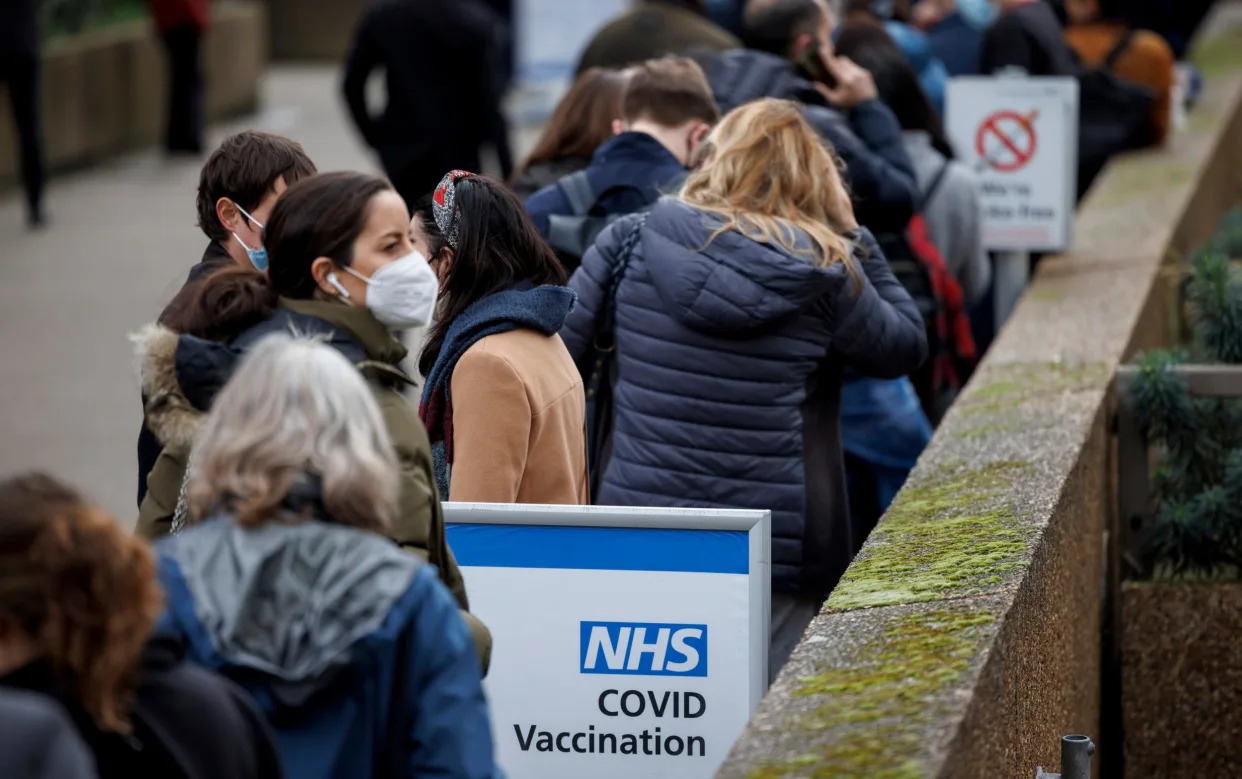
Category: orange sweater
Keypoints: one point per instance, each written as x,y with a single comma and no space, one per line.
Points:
519,422
1148,61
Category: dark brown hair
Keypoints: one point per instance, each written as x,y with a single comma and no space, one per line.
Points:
74,581
221,305
582,121
498,247
244,169
670,92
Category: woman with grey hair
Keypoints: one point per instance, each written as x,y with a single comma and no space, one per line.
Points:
285,580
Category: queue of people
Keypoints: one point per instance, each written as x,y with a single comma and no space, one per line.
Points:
736,276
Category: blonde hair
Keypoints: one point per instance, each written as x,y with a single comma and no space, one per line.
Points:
295,407
771,177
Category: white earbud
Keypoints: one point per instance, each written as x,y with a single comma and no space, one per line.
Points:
335,282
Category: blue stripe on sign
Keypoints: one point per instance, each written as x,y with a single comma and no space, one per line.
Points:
600,548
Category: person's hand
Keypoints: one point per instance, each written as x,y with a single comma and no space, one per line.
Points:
854,84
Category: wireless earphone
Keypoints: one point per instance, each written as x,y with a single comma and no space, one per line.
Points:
335,282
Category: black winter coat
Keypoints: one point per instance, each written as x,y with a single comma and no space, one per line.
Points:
729,376
187,722
867,138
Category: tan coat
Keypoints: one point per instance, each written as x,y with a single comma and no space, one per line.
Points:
519,422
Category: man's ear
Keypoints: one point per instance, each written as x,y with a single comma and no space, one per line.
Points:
618,126
228,215
800,45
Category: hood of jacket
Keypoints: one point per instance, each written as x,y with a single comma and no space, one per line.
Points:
730,284
741,76
181,375
285,602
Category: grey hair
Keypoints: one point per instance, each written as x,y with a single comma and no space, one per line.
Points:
294,407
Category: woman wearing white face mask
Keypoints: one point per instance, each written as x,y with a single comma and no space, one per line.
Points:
503,402
341,266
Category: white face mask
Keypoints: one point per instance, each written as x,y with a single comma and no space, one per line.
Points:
402,294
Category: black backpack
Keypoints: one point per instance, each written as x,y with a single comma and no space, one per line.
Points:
1113,115
572,234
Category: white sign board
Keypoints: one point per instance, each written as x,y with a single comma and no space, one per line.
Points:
628,642
1020,136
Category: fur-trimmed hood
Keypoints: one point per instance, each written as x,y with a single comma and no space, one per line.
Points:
168,411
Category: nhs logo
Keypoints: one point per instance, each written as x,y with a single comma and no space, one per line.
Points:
643,649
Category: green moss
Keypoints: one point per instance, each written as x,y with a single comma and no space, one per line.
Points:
958,532
1151,172
1219,53
1009,385
875,710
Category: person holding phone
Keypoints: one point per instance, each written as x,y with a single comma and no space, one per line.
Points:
789,54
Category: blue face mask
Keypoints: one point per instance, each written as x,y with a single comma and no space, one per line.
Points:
258,257
977,13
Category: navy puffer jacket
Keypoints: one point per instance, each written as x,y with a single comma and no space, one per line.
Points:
729,376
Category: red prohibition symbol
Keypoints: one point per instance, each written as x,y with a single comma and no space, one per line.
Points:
1015,140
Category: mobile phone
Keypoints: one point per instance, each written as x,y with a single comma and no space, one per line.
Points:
813,65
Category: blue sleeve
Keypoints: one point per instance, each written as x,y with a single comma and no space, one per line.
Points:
878,329
590,281
878,168
452,734
543,204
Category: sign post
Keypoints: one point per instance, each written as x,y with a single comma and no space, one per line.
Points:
1020,136
628,642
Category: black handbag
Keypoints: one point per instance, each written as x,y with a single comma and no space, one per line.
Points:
601,363
1114,115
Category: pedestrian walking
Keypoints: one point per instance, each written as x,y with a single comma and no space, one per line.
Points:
789,55
237,190
1027,36
79,603
735,307
19,70
667,110
581,123
444,67
503,403
285,580
652,29
181,24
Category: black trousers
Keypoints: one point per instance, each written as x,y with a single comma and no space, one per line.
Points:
185,90
21,73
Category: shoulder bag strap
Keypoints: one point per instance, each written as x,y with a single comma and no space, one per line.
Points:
577,190
934,186
1115,53
608,309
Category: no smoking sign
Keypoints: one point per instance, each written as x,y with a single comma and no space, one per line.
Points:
1006,140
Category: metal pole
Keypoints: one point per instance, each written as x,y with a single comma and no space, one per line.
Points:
1012,273
1076,752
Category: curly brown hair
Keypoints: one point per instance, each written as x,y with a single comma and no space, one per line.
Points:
85,590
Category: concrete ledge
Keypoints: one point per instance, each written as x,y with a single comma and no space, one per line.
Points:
106,92
965,639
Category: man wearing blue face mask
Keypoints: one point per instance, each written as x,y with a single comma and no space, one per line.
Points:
237,190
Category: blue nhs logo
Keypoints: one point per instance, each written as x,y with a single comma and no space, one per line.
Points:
643,649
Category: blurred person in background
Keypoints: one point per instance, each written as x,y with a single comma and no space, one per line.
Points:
19,70
79,602
285,581
1097,32
790,55
444,64
503,403
667,111
39,741
1027,36
954,30
737,306
237,190
181,24
581,123
653,29
895,16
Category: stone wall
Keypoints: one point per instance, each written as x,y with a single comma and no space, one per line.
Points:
966,639
105,91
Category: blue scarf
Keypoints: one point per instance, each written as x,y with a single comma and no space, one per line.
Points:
525,307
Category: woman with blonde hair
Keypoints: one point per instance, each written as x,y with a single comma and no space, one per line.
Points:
79,602
285,580
737,306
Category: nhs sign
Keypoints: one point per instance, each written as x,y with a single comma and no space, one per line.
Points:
643,648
